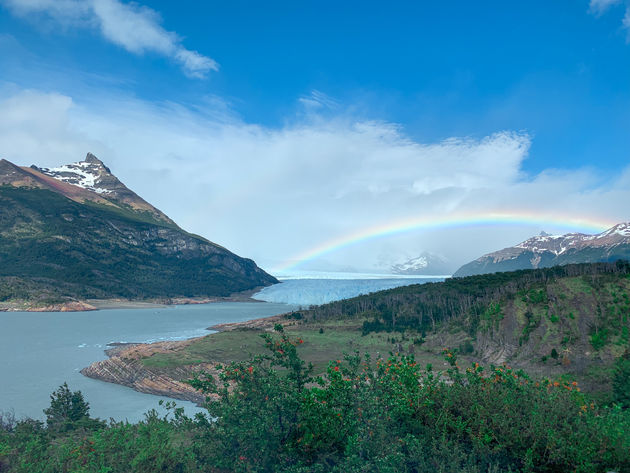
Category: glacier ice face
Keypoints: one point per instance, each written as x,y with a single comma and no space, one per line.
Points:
307,292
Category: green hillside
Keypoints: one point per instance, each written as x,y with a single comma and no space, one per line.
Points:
55,249
563,321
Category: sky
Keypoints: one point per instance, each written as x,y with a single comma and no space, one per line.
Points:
333,135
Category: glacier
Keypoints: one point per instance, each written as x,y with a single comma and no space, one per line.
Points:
306,291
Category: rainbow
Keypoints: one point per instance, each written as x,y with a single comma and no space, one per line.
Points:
592,224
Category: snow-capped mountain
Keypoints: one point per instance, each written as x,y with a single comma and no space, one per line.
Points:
425,264
92,175
76,231
547,250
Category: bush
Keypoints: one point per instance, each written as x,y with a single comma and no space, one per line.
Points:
392,415
621,381
270,414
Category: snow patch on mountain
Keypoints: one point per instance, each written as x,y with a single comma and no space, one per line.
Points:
83,174
425,263
549,250
622,229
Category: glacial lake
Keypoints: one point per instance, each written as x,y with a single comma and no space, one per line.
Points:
41,350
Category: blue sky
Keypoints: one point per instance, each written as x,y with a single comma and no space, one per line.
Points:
555,72
438,68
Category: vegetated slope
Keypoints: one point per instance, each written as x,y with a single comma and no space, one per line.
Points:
570,318
550,250
55,248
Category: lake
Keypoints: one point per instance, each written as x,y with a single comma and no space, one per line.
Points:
41,350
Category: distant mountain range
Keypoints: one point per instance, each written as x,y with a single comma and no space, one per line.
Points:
425,264
77,232
547,250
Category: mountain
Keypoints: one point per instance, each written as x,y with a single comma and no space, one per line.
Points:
547,250
425,264
92,175
77,232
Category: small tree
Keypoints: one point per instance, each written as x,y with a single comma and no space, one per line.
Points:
66,409
621,380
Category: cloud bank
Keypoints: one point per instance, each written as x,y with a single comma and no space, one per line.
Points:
131,26
270,193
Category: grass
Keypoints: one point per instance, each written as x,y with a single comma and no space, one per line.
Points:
338,337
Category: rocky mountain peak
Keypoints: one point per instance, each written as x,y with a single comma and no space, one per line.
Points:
548,250
94,176
91,174
91,159
622,229
425,263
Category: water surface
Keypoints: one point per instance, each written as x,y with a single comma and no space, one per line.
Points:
41,350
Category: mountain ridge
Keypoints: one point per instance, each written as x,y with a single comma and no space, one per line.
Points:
546,250
60,242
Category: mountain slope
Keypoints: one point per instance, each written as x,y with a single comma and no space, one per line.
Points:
550,250
567,320
92,174
63,241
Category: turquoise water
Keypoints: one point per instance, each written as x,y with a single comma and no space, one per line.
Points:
41,350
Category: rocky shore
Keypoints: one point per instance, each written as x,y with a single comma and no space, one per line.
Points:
71,306
125,365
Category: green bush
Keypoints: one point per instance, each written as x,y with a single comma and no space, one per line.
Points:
394,416
621,381
270,414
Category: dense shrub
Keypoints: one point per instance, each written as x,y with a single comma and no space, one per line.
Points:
621,380
394,416
270,414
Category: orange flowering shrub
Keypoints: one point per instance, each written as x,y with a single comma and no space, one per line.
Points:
404,417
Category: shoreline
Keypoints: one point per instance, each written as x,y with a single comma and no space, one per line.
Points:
124,366
89,305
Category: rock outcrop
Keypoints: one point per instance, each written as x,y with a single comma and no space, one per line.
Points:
125,367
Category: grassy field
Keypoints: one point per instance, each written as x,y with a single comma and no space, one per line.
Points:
322,342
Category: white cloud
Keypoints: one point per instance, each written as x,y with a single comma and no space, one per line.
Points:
128,25
273,193
317,100
63,11
600,6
